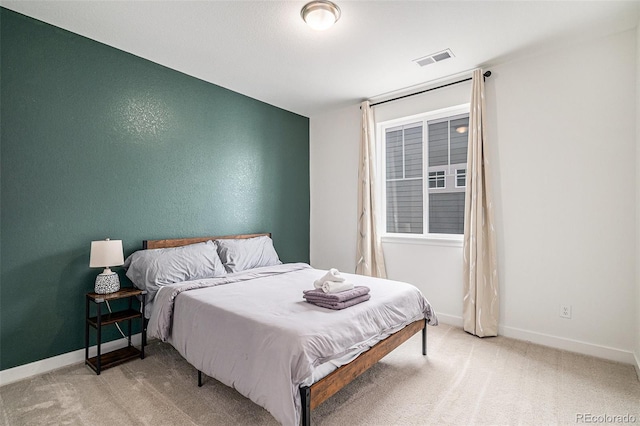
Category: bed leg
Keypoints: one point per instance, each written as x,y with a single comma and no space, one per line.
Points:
144,335
199,378
424,338
305,399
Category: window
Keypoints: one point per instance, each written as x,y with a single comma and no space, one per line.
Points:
436,180
461,178
432,145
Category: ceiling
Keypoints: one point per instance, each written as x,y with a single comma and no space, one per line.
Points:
264,50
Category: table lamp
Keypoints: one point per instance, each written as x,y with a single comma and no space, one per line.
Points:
104,254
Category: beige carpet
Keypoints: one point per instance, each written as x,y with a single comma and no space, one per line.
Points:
463,381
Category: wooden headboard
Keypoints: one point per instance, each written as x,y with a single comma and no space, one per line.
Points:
178,242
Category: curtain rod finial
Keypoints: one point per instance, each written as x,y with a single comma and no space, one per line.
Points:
487,74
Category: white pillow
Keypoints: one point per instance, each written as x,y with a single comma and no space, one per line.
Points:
151,269
242,254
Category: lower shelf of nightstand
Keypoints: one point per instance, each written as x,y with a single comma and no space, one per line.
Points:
113,358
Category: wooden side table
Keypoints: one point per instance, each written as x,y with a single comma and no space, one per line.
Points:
113,358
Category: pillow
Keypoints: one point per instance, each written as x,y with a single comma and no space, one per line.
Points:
151,269
242,254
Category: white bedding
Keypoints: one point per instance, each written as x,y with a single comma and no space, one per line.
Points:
328,367
254,332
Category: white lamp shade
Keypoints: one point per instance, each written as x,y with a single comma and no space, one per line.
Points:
106,253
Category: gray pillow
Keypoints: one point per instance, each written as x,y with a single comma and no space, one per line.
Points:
151,269
242,254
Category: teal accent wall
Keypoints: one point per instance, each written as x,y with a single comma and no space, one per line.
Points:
99,143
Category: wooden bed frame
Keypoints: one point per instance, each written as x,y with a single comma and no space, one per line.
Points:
314,395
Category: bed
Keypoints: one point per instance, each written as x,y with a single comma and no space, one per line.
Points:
249,327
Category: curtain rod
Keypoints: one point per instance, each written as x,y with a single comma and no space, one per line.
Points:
485,75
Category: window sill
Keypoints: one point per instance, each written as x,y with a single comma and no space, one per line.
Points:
447,241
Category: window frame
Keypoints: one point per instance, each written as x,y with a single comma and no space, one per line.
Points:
456,176
455,240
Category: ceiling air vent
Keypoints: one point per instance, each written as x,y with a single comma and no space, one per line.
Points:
433,58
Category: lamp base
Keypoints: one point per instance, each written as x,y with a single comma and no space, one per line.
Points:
107,283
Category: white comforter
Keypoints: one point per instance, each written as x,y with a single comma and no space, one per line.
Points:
253,331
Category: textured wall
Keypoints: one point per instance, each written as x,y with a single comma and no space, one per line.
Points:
98,143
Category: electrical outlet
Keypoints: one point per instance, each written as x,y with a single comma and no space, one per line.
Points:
565,311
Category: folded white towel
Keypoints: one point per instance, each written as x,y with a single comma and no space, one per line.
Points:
336,287
333,275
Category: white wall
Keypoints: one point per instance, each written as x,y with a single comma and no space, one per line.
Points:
333,153
565,185
565,152
637,346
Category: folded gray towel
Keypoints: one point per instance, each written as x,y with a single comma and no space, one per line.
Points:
341,305
341,296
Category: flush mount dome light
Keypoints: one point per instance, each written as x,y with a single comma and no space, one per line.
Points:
320,14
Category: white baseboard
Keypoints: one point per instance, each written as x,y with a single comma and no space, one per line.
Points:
20,372
563,343
450,319
570,345
637,364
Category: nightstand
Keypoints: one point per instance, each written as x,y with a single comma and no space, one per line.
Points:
116,357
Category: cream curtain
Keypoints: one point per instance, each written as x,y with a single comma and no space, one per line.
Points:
480,304
369,257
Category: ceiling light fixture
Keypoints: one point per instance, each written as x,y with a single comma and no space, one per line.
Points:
462,129
320,14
